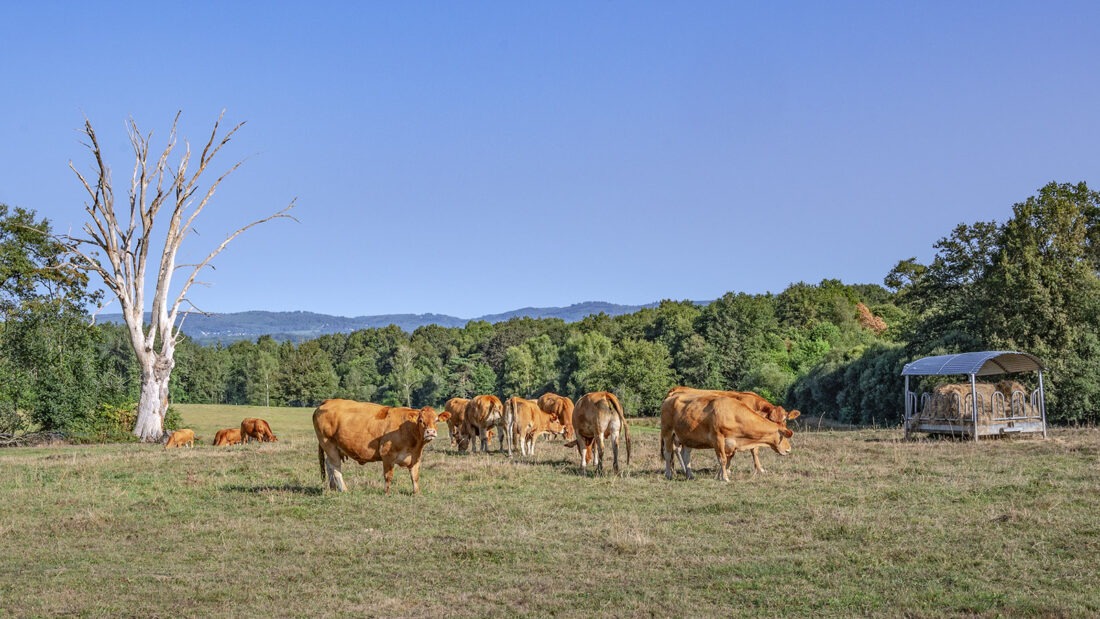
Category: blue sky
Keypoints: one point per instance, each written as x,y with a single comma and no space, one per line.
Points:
471,158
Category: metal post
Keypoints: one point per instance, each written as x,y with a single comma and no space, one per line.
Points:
907,407
1042,404
974,399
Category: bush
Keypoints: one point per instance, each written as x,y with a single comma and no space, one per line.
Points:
106,423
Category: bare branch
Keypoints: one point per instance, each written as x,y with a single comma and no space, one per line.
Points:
283,214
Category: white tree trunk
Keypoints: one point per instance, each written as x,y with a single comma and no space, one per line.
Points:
153,402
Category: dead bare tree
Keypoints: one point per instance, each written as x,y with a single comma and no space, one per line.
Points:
126,245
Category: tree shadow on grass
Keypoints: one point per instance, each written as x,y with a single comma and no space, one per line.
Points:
292,488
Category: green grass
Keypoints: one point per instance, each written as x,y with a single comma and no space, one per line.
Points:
852,523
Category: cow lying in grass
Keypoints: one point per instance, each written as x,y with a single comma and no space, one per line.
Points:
227,436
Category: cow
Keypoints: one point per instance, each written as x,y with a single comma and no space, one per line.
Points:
255,428
484,412
597,417
754,401
457,408
367,432
723,423
561,407
526,421
179,438
228,436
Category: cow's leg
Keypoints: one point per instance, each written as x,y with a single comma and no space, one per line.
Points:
501,432
414,472
598,453
582,451
720,452
333,469
685,462
756,468
666,447
615,452
387,473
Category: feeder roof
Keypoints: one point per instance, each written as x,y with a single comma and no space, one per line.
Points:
977,363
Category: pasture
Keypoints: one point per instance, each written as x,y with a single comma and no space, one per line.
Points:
852,523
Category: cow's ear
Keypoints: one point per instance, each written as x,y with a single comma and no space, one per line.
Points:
793,414
444,416
413,415
787,432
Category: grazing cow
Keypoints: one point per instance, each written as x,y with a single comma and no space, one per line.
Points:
484,412
367,432
255,428
526,422
561,407
179,438
228,436
681,395
597,417
457,408
722,423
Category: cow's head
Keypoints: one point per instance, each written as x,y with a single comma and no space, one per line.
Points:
426,419
782,445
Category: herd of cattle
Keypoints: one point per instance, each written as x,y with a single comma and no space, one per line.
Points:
251,428
725,421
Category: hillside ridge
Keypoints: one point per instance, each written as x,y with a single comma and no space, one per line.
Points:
297,326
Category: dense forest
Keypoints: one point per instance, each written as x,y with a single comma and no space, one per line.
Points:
831,349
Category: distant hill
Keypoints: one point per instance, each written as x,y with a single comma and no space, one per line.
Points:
301,326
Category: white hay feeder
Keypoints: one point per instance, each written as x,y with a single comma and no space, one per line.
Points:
976,412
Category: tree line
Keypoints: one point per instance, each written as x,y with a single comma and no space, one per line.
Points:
1031,283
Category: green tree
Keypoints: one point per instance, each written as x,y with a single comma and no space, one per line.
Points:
739,329
306,376
1041,293
404,377
49,371
640,373
583,364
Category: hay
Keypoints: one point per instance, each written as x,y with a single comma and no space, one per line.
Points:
953,403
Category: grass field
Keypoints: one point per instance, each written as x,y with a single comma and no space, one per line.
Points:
852,523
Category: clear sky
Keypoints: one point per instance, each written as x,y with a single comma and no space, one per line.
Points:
468,158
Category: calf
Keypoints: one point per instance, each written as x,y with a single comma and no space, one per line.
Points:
179,438
526,422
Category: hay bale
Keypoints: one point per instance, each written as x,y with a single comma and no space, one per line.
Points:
951,403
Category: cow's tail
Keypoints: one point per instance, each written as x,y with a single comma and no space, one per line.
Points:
622,420
321,460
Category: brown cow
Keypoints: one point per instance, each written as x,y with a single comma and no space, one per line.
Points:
598,416
228,436
723,423
526,422
561,407
179,438
255,428
457,408
484,412
367,432
754,401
